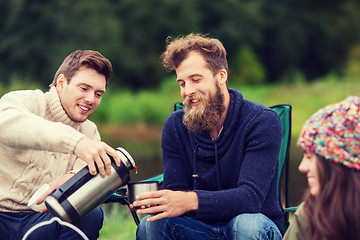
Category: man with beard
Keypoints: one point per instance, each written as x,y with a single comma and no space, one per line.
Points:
220,156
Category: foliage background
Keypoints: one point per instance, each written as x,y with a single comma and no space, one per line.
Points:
267,41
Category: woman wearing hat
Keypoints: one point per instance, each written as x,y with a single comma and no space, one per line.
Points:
330,139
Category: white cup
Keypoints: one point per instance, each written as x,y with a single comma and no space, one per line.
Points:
37,194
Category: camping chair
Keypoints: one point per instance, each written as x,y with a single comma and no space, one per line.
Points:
284,112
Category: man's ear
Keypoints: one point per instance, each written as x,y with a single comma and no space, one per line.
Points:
222,76
60,83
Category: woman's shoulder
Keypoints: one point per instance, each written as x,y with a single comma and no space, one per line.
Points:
298,228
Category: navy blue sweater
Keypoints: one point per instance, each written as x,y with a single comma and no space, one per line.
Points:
237,172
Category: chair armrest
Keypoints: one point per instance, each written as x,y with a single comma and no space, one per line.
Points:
290,209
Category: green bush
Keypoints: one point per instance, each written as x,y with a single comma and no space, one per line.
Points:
352,69
142,107
153,107
247,69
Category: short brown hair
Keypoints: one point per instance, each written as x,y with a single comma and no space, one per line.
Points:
84,59
211,49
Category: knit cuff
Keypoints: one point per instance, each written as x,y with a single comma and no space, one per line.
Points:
207,204
71,140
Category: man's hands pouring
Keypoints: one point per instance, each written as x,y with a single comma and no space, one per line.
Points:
96,152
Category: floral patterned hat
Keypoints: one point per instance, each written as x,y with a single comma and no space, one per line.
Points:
334,133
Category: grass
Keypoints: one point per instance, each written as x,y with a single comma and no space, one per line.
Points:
118,223
304,98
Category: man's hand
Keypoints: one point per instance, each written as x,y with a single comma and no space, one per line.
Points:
53,185
165,203
96,152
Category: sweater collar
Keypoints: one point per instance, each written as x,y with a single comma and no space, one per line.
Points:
57,110
232,115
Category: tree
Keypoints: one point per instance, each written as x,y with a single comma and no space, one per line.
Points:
38,35
286,36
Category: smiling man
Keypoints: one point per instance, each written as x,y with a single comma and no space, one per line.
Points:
220,156
46,138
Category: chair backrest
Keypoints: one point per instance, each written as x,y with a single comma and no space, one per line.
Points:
284,112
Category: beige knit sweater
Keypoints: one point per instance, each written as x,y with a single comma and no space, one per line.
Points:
37,140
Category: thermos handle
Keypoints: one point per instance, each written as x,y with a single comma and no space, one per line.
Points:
71,185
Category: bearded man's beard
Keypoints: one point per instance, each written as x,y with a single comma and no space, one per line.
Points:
198,119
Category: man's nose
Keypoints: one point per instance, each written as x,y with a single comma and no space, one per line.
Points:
90,97
189,90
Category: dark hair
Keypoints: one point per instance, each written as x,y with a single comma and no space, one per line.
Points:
84,59
334,212
211,49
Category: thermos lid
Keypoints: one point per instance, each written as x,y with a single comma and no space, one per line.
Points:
128,157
